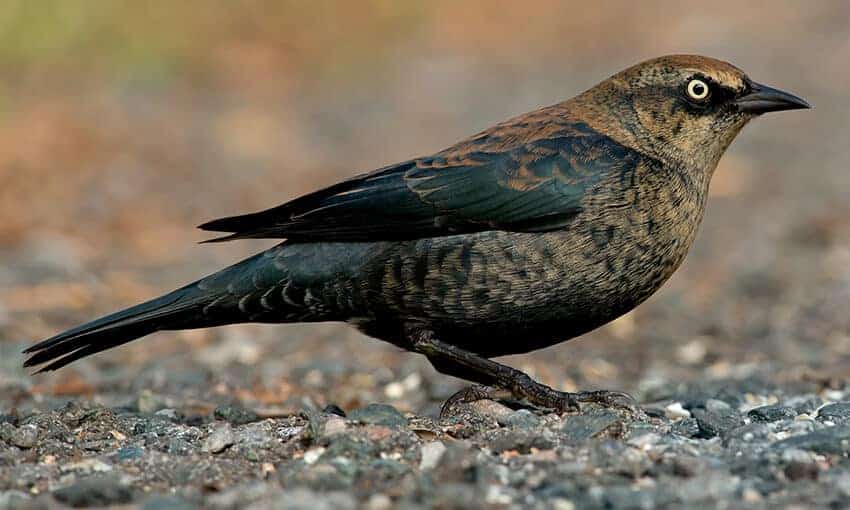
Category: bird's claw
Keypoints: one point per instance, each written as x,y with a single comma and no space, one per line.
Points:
471,394
544,397
615,399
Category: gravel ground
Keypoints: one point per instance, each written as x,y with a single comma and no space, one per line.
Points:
742,443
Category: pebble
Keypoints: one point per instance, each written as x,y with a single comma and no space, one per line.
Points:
580,428
25,436
219,439
521,419
313,454
334,425
431,452
675,411
235,415
493,409
835,413
772,413
88,466
379,414
95,492
379,502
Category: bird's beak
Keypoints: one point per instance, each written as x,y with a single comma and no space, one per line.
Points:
762,99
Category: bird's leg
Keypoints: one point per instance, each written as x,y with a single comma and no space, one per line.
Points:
500,380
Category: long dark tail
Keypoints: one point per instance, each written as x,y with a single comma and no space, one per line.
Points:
175,310
212,301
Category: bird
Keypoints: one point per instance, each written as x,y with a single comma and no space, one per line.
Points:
530,233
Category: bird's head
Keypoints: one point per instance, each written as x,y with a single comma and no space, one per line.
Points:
684,108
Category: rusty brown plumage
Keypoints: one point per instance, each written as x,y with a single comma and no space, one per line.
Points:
527,234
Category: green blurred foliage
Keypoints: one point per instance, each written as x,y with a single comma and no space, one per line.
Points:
148,38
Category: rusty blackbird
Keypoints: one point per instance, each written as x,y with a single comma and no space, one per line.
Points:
527,234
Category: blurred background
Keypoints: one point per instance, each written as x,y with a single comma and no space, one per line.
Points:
125,124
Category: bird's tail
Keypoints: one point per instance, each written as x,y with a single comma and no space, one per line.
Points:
189,307
180,309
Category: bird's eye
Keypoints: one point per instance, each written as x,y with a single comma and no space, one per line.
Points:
697,90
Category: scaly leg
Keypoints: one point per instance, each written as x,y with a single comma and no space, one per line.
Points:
494,376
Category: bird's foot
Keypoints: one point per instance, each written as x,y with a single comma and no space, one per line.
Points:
561,401
542,396
472,394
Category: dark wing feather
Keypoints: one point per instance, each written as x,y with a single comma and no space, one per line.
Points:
532,187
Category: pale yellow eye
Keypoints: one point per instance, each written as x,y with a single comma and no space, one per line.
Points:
697,89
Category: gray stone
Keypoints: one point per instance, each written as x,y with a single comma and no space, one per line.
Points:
219,439
520,440
95,491
236,415
772,413
834,440
431,453
580,428
128,453
379,414
716,420
25,436
836,413
522,419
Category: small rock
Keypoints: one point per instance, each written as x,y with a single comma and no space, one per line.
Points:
834,395
580,428
796,455
313,454
431,454
220,439
493,409
804,404
100,491
87,466
235,415
687,427
379,502
394,390
801,471
7,430
836,413
716,419
835,440
675,411
521,441
772,413
130,453
334,425
562,504
169,414
522,419
25,436
379,414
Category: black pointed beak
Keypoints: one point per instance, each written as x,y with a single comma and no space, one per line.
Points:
762,99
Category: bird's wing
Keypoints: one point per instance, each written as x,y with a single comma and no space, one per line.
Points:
530,187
